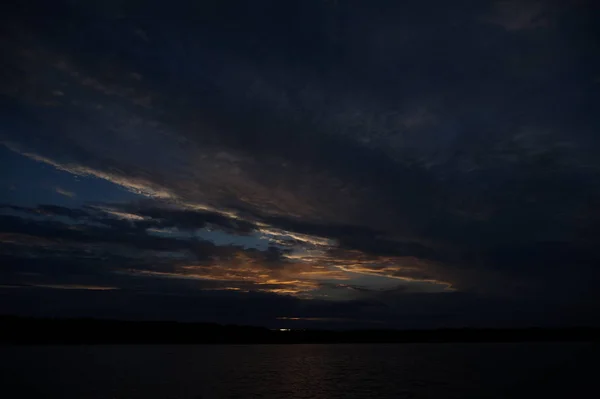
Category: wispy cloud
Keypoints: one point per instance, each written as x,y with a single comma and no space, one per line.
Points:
138,186
64,192
75,287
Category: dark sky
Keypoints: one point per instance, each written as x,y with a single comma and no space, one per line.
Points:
301,163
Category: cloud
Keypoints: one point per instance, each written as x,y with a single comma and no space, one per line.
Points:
138,186
135,247
130,250
76,287
64,192
409,151
519,15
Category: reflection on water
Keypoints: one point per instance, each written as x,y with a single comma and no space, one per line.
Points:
299,371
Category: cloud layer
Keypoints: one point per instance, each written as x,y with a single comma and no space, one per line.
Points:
329,151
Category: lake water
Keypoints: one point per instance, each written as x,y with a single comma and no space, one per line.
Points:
301,371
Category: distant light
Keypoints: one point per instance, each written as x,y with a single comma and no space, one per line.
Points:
284,329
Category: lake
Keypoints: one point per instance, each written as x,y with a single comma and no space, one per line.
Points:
534,370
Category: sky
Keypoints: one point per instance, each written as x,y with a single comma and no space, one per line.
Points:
314,163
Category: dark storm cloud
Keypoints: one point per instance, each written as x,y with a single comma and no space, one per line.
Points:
452,147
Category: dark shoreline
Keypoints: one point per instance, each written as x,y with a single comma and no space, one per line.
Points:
21,330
